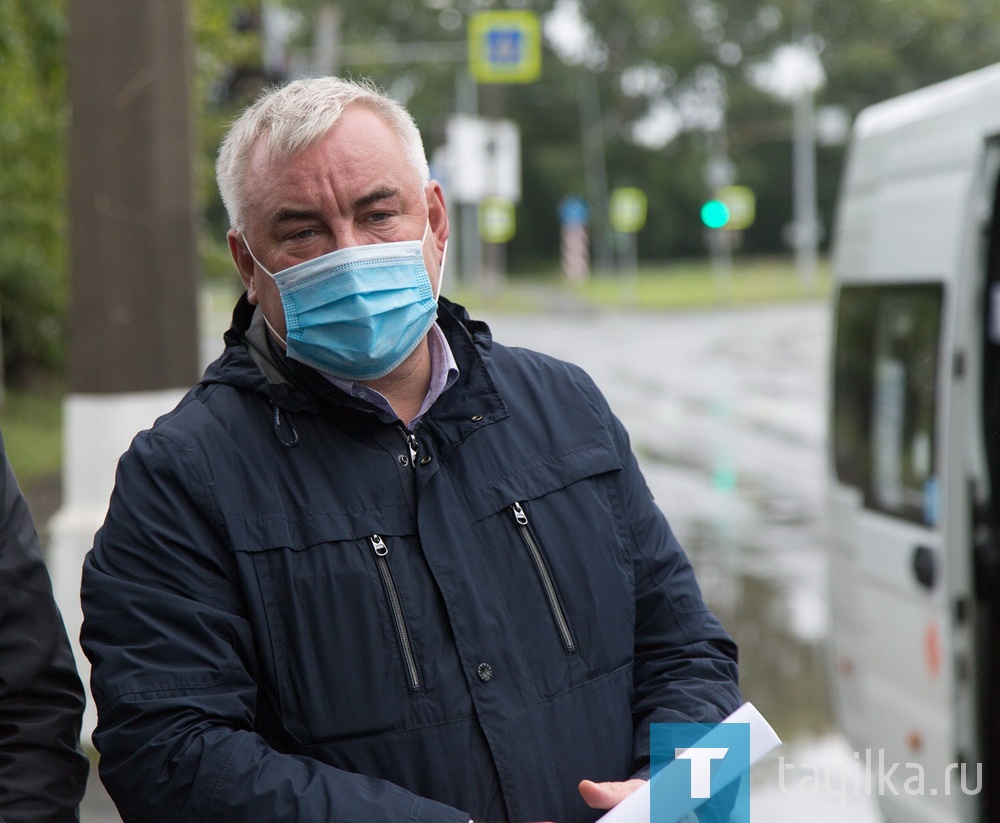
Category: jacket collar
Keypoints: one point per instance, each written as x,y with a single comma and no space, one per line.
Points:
474,401
251,361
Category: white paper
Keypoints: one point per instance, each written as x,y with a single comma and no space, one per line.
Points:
635,807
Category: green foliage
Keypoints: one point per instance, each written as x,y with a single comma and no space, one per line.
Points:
227,77
644,57
875,50
33,253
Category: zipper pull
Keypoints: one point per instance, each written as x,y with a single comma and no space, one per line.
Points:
519,515
412,443
378,544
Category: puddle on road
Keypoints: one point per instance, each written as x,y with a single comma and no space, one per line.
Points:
752,528
764,602
782,665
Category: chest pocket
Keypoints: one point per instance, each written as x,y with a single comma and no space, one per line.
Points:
556,536
354,640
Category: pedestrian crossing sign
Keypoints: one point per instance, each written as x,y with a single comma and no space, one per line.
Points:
627,210
497,222
505,47
741,203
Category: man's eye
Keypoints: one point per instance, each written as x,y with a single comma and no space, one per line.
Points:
303,234
379,216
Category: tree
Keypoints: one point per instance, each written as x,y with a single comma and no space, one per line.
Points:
34,115
33,252
228,75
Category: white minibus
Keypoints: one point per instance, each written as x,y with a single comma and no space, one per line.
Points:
914,452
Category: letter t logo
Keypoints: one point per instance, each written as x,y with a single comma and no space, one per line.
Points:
701,768
717,755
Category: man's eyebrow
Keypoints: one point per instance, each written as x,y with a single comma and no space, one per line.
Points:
291,215
382,193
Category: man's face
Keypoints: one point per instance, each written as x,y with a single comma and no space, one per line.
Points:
352,187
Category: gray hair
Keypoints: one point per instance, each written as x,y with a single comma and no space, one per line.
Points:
290,118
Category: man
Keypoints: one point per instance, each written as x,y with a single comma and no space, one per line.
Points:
375,567
43,772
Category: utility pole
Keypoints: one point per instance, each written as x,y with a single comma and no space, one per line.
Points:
720,173
469,243
806,231
595,168
806,219
133,323
134,312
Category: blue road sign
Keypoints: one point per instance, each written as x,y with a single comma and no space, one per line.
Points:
573,211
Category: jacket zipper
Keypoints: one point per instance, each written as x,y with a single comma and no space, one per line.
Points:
396,607
412,444
545,576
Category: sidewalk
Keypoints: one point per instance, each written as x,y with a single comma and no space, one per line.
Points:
97,806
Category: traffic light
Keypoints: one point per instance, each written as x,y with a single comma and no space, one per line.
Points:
733,208
715,214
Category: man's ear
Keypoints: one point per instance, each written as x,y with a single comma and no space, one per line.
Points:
437,213
244,263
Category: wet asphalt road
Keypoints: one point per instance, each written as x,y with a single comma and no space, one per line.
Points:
726,410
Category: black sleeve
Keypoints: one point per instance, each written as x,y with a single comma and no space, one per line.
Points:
43,771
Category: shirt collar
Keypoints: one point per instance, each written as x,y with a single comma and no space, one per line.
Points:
444,374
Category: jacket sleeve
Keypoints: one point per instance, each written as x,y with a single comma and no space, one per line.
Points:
174,669
43,771
685,668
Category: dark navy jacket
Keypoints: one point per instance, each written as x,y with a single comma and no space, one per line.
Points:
292,616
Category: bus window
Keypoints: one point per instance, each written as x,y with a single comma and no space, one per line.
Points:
885,377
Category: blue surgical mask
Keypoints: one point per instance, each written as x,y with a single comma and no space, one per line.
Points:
357,312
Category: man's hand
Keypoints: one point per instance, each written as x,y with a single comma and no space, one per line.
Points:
607,795
604,795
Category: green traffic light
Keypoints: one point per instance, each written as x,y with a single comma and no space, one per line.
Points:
714,214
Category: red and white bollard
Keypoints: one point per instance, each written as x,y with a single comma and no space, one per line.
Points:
575,253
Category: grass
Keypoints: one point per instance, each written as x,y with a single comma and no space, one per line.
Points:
31,421
665,287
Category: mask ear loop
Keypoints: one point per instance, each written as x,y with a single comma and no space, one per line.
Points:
444,256
264,269
253,257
